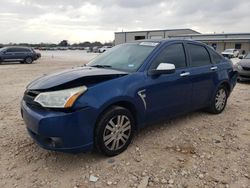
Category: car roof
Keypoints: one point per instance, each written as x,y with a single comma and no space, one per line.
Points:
17,47
169,40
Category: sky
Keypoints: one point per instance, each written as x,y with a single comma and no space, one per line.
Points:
50,21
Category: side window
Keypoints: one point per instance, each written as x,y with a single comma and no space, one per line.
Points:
24,50
216,58
171,54
19,50
11,50
199,55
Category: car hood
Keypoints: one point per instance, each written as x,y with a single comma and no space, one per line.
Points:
74,77
245,62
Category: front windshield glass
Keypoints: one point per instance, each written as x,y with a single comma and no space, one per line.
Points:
126,57
247,56
2,49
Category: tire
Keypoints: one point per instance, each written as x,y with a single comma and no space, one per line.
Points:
219,100
28,60
112,137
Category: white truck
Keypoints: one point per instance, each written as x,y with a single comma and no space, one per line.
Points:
231,53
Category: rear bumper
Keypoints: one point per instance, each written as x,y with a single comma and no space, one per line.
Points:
60,131
37,57
244,78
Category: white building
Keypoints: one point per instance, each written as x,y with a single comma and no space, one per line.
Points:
220,42
123,37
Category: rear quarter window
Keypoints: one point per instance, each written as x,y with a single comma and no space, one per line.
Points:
216,58
199,55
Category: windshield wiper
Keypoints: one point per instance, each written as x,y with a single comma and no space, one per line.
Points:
101,66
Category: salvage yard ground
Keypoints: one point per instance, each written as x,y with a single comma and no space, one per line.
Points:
195,150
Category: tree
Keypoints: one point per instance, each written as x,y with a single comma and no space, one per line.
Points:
96,43
63,43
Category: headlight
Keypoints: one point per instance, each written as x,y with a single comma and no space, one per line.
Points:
239,67
60,99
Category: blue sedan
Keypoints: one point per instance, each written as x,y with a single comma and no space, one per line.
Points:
103,103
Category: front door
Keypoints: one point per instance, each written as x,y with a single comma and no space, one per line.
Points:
168,94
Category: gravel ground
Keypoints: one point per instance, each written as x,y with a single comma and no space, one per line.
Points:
195,150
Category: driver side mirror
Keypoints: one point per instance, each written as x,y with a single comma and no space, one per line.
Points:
163,68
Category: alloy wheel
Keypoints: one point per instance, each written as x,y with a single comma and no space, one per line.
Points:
117,132
220,99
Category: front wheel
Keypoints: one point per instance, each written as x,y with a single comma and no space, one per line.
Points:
114,131
219,100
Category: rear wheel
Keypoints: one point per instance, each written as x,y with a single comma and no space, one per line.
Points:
28,60
219,101
114,131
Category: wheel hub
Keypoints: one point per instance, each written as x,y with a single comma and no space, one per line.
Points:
220,99
117,132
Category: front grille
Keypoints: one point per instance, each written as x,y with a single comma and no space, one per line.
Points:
246,68
29,97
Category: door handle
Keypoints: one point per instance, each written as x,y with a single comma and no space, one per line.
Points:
214,68
185,74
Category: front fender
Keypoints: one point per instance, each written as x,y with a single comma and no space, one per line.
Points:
134,102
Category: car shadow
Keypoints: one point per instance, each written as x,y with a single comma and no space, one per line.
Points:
14,63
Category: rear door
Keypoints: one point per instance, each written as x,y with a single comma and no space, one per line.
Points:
203,74
21,53
168,94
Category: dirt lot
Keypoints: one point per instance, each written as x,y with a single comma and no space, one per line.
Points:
195,150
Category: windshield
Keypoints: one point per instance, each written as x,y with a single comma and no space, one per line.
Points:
229,50
2,49
126,57
247,56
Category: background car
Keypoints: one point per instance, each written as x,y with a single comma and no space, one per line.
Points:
243,68
18,54
96,49
104,49
241,56
230,53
